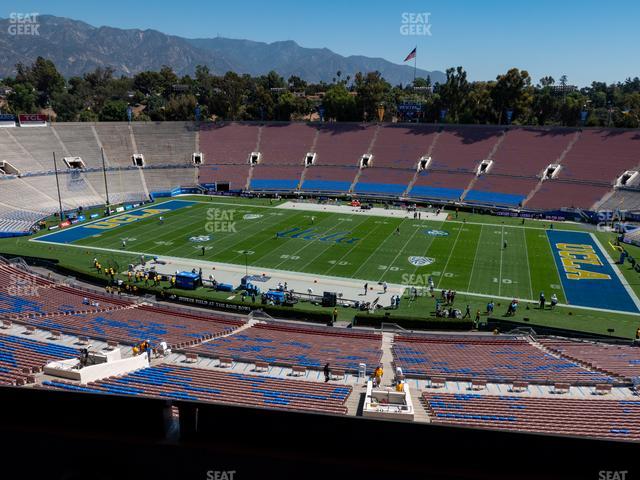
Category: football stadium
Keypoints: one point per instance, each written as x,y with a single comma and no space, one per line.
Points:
272,290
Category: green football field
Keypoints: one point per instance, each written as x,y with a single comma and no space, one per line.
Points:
466,256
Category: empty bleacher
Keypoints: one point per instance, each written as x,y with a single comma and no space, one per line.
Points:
402,146
132,325
619,360
80,140
13,152
291,344
286,143
329,179
228,143
39,144
166,179
165,143
500,190
125,185
380,181
117,143
276,177
75,191
525,152
22,293
463,148
601,156
343,144
442,185
181,383
501,359
554,194
623,200
21,357
608,419
235,175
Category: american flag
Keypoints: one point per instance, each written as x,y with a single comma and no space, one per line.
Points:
411,55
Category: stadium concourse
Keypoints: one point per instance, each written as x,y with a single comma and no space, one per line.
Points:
538,169
517,382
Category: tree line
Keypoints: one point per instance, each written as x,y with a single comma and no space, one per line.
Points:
512,98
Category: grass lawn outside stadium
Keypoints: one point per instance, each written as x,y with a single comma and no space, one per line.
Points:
464,253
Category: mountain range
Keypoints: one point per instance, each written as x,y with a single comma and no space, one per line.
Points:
77,48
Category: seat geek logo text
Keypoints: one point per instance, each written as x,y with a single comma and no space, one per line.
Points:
415,24
23,24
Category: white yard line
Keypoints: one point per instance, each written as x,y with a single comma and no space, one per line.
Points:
553,256
366,260
323,251
475,258
308,243
444,270
371,232
399,252
501,251
526,255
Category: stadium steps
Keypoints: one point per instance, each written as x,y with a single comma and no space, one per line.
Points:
417,173
493,151
584,365
312,149
573,141
369,151
36,165
252,167
68,154
135,150
420,410
247,325
249,177
598,205
100,146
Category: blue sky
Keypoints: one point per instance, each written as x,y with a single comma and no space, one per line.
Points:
586,40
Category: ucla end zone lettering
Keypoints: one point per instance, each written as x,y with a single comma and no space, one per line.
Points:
114,222
312,234
80,232
587,277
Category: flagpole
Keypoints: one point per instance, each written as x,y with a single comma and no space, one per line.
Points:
415,62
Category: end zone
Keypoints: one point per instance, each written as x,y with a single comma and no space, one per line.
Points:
588,275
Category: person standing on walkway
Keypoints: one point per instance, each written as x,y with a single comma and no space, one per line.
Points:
327,372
